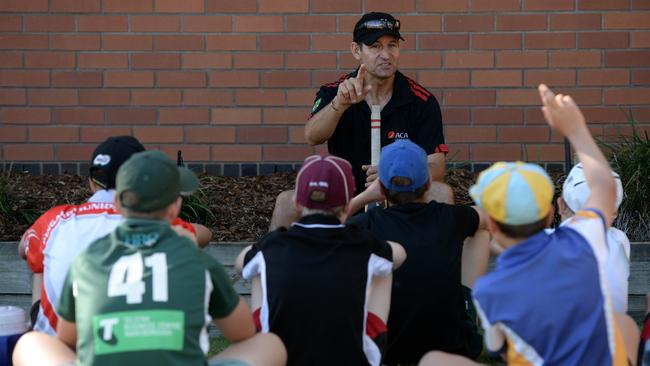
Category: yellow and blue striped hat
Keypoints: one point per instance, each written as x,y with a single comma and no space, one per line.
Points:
514,193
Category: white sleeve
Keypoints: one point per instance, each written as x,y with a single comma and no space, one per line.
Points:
254,267
620,239
591,225
379,266
618,268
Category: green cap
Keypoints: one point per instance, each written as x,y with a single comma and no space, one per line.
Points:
150,181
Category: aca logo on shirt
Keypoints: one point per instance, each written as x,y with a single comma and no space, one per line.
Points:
397,135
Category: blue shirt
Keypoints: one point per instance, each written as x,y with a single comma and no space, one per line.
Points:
546,301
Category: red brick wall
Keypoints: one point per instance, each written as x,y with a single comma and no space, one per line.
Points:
233,81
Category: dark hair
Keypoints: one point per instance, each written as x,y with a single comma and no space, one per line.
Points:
522,231
400,198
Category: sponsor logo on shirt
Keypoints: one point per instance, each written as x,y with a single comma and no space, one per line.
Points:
138,239
398,135
145,330
105,331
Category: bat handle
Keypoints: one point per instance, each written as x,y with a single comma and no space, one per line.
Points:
375,134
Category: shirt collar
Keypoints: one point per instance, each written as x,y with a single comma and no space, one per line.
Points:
319,221
140,232
523,251
102,196
409,207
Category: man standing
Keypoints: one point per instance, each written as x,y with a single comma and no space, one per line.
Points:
341,113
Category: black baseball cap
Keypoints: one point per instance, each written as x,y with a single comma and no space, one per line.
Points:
372,26
109,156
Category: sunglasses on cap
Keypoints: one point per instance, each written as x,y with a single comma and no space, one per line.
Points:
379,24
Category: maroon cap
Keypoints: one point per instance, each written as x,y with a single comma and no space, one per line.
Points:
324,182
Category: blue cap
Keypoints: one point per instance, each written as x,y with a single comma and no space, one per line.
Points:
406,160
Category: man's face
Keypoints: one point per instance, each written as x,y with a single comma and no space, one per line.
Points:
381,58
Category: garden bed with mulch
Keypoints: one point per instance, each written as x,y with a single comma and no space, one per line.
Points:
235,209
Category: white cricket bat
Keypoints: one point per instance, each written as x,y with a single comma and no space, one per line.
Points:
375,140
375,134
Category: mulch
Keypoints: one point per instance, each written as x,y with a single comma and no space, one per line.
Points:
241,207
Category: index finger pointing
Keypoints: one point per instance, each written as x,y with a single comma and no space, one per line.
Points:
361,75
545,93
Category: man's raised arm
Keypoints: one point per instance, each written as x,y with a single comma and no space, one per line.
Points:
321,125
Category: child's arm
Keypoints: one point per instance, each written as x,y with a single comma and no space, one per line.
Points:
564,116
239,261
203,235
482,218
67,333
379,296
372,194
399,254
256,285
238,325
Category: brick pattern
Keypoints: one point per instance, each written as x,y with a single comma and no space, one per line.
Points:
231,83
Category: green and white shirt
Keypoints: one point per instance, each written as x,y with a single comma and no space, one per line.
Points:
144,295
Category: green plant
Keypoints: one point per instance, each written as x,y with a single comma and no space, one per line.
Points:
5,197
196,208
630,158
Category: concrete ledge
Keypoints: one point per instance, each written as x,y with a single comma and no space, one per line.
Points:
16,283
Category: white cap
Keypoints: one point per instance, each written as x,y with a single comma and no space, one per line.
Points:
12,320
575,190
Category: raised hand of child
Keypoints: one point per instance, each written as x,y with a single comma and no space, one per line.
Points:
561,112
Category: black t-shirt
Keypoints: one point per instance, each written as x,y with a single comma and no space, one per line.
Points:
411,113
427,303
314,278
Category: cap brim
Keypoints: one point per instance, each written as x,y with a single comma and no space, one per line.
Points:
189,182
372,37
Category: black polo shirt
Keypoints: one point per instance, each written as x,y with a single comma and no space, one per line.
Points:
427,306
411,113
314,280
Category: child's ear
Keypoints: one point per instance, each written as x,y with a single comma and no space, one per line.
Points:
93,185
492,226
551,216
296,205
561,205
174,209
117,204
